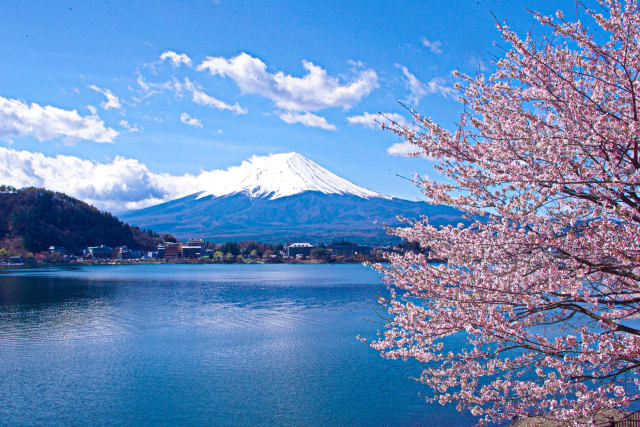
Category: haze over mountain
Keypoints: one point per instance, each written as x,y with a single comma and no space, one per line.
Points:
284,197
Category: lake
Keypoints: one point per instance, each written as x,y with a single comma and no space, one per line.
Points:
201,344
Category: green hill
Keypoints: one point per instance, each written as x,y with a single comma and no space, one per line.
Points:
35,218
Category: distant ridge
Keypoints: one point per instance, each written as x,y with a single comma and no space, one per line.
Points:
285,197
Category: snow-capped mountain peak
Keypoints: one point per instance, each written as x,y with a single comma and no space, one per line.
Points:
279,175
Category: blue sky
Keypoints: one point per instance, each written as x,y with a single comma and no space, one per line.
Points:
89,80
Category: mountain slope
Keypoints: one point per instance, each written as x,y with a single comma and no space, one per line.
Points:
284,197
310,216
41,218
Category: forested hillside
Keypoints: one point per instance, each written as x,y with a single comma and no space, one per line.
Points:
41,218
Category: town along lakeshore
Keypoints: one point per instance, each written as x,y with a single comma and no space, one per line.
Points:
198,251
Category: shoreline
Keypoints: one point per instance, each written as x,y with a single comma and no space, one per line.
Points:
183,262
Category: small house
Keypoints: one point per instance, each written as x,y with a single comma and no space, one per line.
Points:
102,251
295,249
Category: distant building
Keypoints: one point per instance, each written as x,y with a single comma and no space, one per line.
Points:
137,254
350,251
123,252
102,251
57,250
295,249
194,248
160,252
172,250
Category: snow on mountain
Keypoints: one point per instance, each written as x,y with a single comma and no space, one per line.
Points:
279,175
247,202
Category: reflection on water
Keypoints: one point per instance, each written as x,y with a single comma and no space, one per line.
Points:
203,344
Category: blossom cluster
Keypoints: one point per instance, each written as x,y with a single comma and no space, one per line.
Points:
544,284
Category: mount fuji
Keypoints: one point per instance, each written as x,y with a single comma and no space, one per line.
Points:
284,197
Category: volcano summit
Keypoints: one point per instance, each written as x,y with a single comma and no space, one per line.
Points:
284,197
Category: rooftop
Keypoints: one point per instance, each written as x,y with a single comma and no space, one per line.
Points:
300,245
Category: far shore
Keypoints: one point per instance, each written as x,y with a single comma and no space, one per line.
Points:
185,261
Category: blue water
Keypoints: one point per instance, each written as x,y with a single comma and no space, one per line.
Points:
201,344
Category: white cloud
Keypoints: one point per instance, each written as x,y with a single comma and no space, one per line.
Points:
130,128
117,185
150,89
418,89
403,149
176,58
201,98
373,121
198,96
434,46
191,121
314,91
20,119
306,119
112,100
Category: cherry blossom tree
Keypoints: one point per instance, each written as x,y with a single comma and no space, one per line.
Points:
544,285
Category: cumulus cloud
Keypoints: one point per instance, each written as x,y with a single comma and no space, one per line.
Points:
117,185
306,119
434,46
373,120
191,121
20,119
176,58
201,98
112,100
418,89
403,149
130,128
314,91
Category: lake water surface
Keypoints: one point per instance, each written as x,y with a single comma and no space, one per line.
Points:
201,344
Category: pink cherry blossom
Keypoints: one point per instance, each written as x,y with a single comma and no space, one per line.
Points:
544,284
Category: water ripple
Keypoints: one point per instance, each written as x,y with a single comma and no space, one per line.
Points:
193,345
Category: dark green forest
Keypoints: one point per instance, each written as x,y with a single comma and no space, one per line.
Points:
42,218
